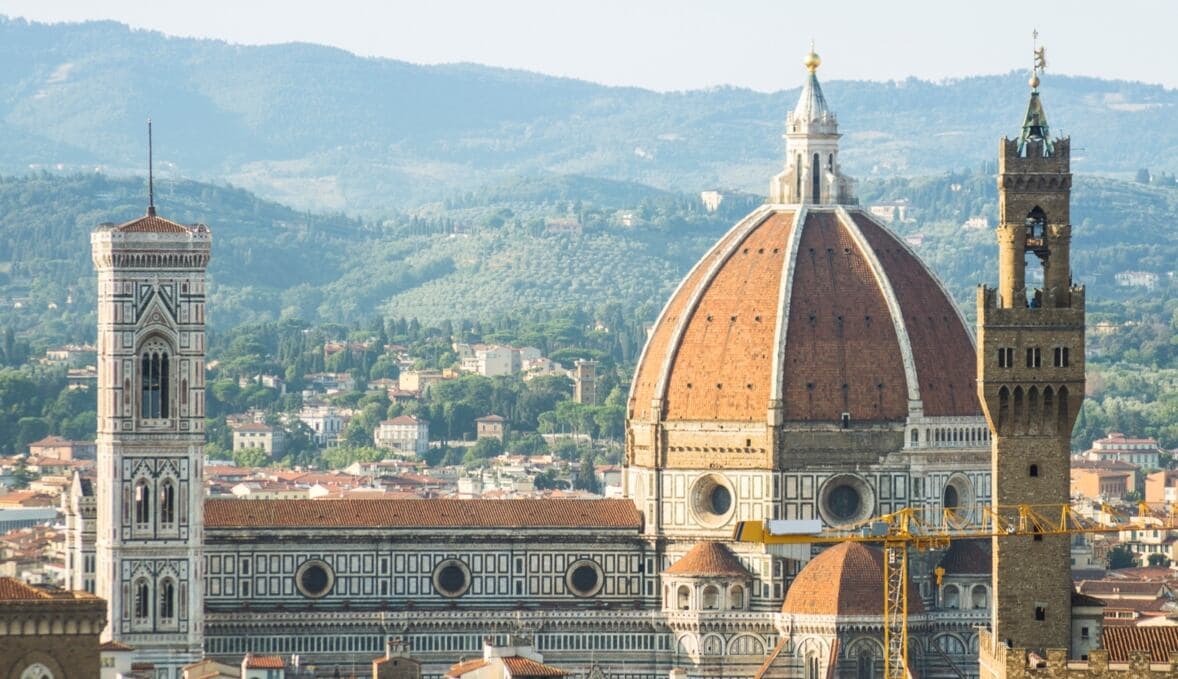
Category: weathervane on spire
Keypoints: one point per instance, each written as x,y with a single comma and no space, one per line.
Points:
150,175
1039,59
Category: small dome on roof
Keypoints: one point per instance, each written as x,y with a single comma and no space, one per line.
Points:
709,559
846,579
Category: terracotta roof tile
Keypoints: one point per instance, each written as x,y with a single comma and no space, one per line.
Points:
12,589
649,370
519,667
840,333
151,224
462,668
968,557
265,662
1160,642
709,558
114,646
722,363
846,579
421,513
935,330
1122,588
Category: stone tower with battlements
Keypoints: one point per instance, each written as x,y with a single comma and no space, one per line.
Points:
151,356
1030,353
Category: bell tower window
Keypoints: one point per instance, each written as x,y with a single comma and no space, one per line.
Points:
167,502
815,179
142,503
167,601
154,376
142,605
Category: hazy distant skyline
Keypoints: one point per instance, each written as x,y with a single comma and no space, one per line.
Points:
666,45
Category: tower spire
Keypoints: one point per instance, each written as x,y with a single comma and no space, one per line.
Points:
1035,121
150,175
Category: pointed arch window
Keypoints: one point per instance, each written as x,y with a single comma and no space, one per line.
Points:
141,606
142,502
154,377
167,502
167,600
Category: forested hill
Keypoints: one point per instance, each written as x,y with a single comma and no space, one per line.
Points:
317,127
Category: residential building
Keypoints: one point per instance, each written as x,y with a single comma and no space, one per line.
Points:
325,422
1162,486
404,435
259,435
1143,452
491,426
1101,484
62,449
419,380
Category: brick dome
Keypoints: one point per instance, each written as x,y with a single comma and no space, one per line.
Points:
800,315
846,579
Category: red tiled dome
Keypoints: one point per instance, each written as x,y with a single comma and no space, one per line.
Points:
834,315
846,579
709,559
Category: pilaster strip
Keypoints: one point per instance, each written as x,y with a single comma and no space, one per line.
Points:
783,303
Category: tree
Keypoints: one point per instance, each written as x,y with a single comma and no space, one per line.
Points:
586,478
1159,560
250,457
484,449
1121,557
548,480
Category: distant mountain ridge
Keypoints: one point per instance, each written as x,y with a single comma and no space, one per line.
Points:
318,127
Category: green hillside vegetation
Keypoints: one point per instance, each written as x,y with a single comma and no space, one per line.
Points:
320,128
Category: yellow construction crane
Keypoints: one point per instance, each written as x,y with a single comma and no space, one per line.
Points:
905,529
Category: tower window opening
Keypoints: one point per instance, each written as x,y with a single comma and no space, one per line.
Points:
167,600
1033,358
142,503
141,606
1033,470
167,502
1040,613
846,420
154,376
1061,357
1005,357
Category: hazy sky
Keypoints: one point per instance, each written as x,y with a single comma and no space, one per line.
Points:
686,44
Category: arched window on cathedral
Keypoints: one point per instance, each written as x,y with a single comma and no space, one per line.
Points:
141,604
683,598
167,502
711,598
866,666
167,601
154,374
951,597
142,503
812,665
736,598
